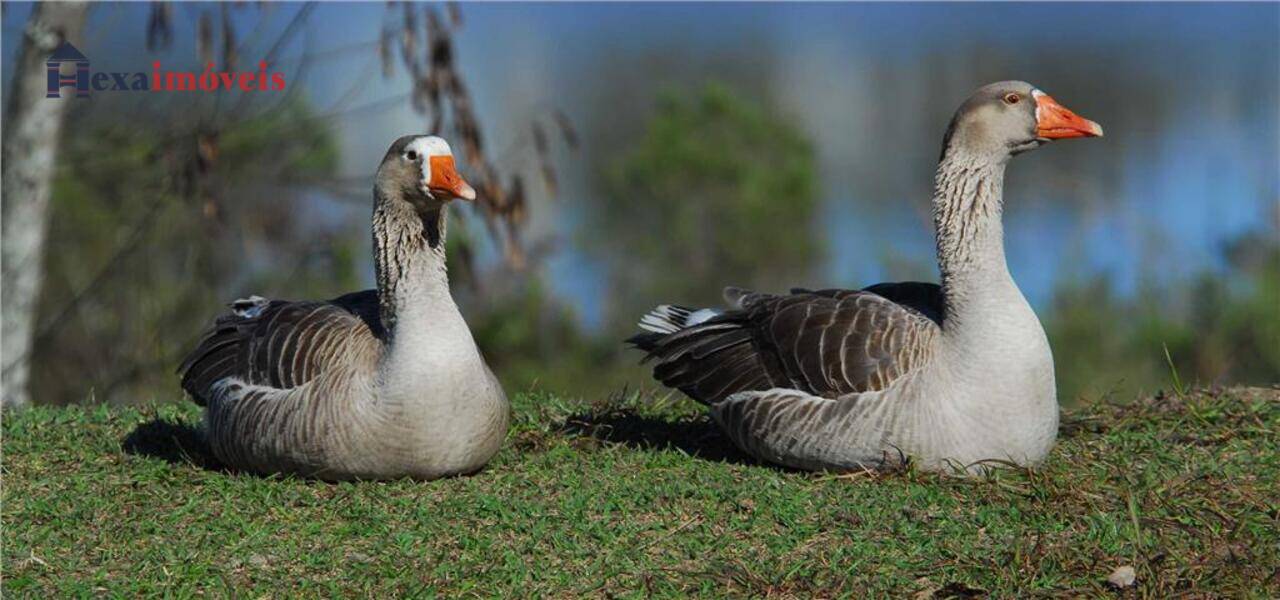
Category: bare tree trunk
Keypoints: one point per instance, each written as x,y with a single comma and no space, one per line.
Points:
34,127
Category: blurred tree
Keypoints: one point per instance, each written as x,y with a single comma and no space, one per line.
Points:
719,191
1236,318
533,341
1219,328
152,229
31,143
165,207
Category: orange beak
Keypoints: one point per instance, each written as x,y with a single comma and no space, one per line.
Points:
445,178
1055,121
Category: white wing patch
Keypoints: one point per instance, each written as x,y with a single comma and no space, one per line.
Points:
248,308
699,316
670,319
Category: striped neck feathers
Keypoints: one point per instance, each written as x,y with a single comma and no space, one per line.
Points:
967,208
409,258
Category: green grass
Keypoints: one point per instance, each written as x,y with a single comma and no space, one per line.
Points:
638,497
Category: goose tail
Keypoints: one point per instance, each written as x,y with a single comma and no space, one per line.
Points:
670,318
666,319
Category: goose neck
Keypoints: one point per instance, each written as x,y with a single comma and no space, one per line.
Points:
967,208
413,282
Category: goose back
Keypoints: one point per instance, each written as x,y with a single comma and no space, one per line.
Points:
283,344
827,343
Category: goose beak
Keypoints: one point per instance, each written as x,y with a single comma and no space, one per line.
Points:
1055,121
446,181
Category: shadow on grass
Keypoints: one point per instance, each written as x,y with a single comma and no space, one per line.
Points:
699,437
172,441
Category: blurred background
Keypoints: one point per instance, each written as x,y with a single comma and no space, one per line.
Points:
632,154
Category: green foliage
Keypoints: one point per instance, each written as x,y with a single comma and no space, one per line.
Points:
1219,329
720,190
153,229
717,191
642,497
254,149
531,341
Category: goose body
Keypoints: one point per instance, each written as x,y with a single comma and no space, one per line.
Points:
378,384
952,376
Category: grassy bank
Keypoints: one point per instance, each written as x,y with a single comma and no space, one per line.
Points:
639,496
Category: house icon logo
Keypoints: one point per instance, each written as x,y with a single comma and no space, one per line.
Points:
66,53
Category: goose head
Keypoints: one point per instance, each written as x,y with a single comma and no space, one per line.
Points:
1007,118
420,169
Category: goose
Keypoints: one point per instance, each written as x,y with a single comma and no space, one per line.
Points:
956,377
379,384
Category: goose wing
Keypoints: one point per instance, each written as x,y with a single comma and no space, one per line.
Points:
826,343
921,297
283,344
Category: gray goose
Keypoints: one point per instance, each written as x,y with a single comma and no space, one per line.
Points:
955,376
378,384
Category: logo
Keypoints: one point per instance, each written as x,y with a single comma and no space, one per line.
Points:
66,53
84,81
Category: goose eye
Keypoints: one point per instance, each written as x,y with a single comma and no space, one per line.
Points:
411,155
1011,98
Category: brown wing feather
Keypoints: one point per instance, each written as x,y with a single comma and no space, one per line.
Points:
828,344
283,346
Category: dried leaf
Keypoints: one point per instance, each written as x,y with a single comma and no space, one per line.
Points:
206,151
1122,577
159,31
209,209
420,98
566,129
540,139
384,53
230,57
204,39
468,132
494,196
515,208
515,255
410,19
543,149
409,41
437,121
549,178
455,14
439,42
